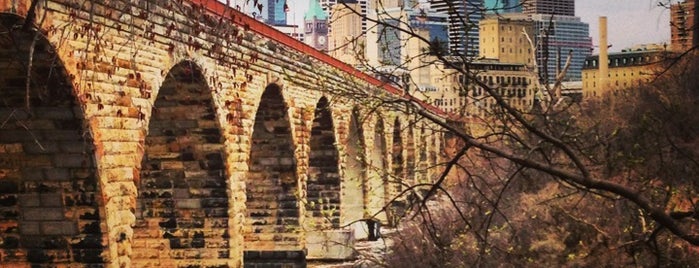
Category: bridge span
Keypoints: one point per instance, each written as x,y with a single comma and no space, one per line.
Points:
186,134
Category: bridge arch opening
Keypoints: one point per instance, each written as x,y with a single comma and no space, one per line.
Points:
397,159
397,178
354,173
51,210
410,158
182,206
272,187
323,185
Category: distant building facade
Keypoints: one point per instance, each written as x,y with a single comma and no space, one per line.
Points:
628,68
276,12
682,25
549,7
316,27
455,94
463,37
555,37
290,30
502,6
504,39
346,41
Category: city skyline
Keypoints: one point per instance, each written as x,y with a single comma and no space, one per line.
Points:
631,22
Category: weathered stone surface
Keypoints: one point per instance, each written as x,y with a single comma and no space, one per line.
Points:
331,245
150,141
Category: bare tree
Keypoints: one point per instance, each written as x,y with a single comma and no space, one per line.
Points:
560,182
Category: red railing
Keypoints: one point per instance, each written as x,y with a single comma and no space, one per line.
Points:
239,18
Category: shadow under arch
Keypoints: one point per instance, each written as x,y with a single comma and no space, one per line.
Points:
51,210
272,188
182,207
410,157
397,160
323,185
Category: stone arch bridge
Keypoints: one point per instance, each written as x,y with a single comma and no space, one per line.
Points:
185,134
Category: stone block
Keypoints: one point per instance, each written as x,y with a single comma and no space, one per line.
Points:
29,228
57,174
188,203
29,200
42,214
70,160
58,228
51,201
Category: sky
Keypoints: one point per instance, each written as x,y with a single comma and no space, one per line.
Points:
630,22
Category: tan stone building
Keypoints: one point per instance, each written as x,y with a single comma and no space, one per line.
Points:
503,38
628,68
455,94
346,39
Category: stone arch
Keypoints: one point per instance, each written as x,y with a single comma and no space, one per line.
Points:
182,206
51,204
378,176
422,165
273,213
410,158
323,184
354,171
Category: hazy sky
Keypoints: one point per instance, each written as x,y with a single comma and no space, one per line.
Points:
630,22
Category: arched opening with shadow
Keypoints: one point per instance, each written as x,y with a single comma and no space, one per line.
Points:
397,161
396,180
51,206
182,207
354,187
272,188
422,165
410,158
323,192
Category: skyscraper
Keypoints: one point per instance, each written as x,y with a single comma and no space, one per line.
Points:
502,6
276,12
555,36
549,7
462,18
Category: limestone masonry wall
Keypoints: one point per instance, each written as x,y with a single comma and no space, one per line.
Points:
181,134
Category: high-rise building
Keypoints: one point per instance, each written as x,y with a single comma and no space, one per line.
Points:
505,39
276,12
346,39
502,6
555,37
360,7
316,27
549,7
682,25
463,17
388,45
